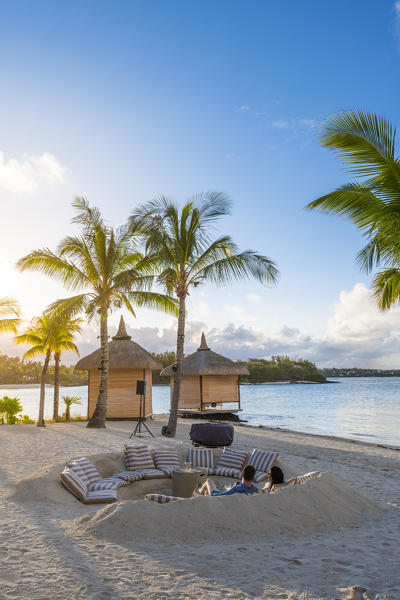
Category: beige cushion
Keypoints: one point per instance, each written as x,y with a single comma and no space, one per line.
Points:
137,458
307,476
73,483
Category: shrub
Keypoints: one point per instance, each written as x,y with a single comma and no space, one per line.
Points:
9,408
25,420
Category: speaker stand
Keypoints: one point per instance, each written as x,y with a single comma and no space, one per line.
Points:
137,430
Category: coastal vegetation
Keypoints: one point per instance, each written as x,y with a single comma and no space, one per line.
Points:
367,142
187,256
47,334
13,370
280,368
106,268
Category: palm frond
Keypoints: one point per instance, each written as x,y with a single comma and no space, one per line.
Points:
154,300
386,288
244,265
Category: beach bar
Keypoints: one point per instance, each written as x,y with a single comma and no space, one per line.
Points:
128,362
209,381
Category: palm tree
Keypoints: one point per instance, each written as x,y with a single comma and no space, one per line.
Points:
108,267
38,336
62,341
368,143
9,306
188,256
69,401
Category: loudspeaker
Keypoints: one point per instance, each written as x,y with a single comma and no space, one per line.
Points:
141,387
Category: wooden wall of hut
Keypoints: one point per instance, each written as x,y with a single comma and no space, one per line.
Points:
123,403
211,388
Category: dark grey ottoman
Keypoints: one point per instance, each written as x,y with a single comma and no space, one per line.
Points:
212,434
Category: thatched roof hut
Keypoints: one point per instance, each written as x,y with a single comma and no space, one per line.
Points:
208,380
128,362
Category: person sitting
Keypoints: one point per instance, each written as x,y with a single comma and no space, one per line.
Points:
275,478
246,486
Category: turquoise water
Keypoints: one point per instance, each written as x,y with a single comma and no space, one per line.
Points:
360,408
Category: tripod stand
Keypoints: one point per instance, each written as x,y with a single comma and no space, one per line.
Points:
142,417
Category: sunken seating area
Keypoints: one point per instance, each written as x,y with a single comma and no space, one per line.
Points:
85,482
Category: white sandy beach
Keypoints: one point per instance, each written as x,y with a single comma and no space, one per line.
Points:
47,552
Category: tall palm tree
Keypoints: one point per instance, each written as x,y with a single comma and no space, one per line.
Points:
62,341
109,271
188,256
38,336
9,306
368,143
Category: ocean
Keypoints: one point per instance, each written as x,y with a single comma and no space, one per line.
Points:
358,408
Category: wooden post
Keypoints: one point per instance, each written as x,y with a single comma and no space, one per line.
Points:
238,384
201,392
88,394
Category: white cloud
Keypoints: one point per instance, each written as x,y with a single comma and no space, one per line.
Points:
26,175
298,126
357,335
253,297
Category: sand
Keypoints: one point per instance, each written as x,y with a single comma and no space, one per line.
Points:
318,540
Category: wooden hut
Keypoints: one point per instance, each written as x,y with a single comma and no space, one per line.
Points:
128,362
208,381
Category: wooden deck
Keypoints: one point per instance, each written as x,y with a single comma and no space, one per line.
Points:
228,414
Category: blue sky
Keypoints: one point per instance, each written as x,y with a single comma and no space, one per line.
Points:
120,101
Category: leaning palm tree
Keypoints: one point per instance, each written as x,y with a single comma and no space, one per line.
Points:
38,336
189,256
368,143
109,271
62,341
10,310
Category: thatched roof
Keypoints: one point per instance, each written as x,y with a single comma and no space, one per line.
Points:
206,362
123,353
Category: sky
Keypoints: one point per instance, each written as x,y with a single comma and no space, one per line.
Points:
122,101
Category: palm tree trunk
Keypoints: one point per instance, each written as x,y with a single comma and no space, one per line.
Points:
56,385
98,419
67,413
170,429
40,421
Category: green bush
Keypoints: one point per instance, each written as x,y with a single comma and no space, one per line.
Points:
9,408
25,420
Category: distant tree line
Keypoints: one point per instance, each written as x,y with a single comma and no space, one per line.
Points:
280,368
13,370
355,372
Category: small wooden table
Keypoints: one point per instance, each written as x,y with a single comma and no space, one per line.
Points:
185,481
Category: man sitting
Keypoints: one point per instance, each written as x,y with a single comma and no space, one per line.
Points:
245,487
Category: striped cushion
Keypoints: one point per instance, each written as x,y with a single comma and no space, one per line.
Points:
74,483
169,470
231,459
85,470
161,498
128,476
262,460
225,472
165,459
260,476
202,457
152,474
307,476
270,488
105,484
101,497
138,457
